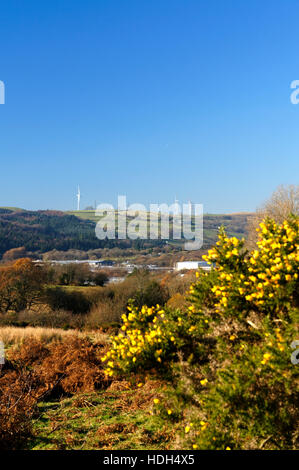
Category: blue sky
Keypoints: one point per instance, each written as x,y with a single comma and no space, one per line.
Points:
152,99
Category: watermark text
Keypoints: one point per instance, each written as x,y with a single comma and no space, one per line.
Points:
161,221
2,92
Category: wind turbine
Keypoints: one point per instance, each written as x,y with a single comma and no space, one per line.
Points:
176,206
78,198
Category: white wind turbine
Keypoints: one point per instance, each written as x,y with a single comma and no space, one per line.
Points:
78,198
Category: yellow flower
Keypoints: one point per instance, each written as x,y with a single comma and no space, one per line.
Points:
156,401
267,357
204,381
187,429
169,412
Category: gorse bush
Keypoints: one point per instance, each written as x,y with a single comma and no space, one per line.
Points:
265,280
143,338
227,356
252,401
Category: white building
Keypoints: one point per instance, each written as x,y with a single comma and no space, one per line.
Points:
192,265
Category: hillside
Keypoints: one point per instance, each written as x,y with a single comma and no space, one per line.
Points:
235,223
42,231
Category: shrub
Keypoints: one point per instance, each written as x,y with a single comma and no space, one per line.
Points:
114,299
72,301
283,202
17,405
228,355
66,366
21,285
35,370
250,398
266,280
74,274
151,294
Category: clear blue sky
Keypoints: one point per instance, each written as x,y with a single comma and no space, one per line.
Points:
150,99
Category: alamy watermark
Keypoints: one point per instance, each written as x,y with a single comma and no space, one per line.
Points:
2,92
295,354
2,353
295,94
160,221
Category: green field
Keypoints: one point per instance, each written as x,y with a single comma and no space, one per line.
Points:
236,224
116,418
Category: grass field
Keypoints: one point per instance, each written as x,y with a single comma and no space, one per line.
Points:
86,215
236,224
121,417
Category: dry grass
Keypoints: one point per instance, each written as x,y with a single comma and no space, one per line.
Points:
11,335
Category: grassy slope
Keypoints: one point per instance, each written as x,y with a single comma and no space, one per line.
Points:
120,417
236,224
86,215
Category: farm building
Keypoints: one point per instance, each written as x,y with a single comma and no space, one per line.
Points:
192,265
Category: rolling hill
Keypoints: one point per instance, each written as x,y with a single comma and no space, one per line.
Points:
42,231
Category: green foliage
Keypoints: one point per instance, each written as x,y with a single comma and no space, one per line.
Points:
43,231
74,274
152,294
251,398
228,356
140,287
72,301
21,285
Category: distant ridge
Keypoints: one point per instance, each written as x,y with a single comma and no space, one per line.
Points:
13,209
235,223
43,231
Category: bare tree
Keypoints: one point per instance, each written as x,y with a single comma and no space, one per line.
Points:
283,202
